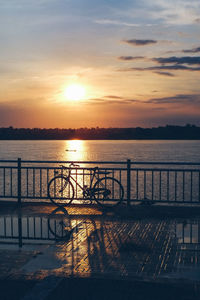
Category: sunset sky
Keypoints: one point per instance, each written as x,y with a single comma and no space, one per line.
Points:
106,63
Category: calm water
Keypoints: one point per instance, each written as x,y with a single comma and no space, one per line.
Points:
188,151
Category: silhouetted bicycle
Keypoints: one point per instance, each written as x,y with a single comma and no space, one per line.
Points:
106,191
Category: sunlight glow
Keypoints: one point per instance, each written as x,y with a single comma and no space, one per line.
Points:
75,92
75,150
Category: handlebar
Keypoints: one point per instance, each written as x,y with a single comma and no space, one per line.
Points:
95,169
71,165
74,165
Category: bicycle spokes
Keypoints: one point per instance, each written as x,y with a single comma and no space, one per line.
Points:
60,190
108,191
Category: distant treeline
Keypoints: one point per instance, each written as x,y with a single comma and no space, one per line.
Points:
187,132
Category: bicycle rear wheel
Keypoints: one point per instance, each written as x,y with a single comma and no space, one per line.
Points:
108,192
60,191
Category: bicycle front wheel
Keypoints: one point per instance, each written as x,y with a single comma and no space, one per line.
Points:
60,191
108,192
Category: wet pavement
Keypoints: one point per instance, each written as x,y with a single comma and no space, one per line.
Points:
45,251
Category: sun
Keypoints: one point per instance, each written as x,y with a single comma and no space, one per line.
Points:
74,92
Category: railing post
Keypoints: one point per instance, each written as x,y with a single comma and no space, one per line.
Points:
19,180
128,181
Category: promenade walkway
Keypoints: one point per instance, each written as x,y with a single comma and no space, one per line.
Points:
146,252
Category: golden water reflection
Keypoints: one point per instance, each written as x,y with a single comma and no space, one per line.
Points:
75,150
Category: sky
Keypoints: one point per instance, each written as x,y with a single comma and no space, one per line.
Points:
138,62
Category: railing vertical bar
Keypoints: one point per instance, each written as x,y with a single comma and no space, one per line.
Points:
11,182
191,187
40,182
47,179
199,186
137,193
62,183
113,187
27,179
4,181
128,181
168,186
144,184
120,178
83,177
183,233
160,186
183,186
54,186
76,184
33,182
152,185
19,180
175,186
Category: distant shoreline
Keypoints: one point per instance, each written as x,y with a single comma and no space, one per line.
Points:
169,132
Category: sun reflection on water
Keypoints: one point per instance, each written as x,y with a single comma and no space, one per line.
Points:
75,150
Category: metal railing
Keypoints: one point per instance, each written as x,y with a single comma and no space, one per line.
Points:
144,182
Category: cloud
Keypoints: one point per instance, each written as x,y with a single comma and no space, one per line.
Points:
174,12
113,97
194,60
194,50
116,22
177,99
135,42
111,100
165,74
128,58
155,68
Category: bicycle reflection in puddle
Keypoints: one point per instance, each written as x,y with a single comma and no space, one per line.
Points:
61,225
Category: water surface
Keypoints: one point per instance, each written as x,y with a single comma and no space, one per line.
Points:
135,150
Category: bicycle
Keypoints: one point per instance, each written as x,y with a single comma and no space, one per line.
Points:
106,191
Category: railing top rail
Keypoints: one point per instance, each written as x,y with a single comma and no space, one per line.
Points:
103,162
8,161
165,163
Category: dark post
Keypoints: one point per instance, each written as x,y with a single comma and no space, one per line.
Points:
128,181
19,180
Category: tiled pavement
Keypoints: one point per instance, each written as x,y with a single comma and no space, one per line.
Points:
109,246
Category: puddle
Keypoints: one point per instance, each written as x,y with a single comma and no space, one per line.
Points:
161,248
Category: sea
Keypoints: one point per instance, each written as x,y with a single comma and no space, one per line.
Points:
102,150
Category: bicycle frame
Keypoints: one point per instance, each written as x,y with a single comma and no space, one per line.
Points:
70,178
